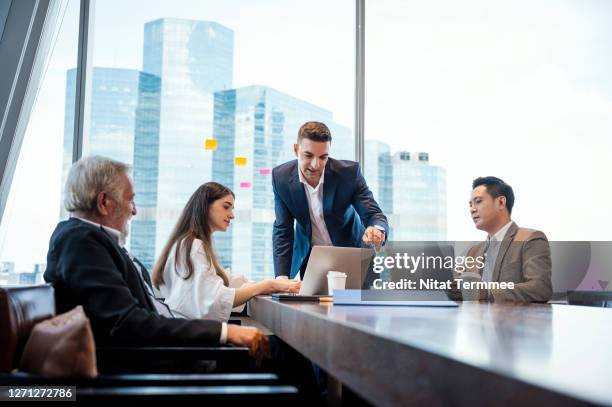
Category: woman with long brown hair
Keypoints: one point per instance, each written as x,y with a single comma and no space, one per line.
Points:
188,273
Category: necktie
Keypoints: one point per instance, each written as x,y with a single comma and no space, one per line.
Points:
161,307
490,253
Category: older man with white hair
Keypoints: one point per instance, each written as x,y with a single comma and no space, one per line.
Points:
89,266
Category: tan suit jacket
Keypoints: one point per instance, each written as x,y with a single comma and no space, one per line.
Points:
523,258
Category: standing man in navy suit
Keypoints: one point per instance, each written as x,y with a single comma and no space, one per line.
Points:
329,200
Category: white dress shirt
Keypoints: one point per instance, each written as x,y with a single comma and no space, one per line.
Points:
203,295
160,306
320,234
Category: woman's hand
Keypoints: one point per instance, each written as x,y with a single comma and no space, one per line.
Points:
284,286
264,287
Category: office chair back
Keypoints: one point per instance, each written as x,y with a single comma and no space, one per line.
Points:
21,307
590,298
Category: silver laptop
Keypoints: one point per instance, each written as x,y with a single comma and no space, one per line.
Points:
327,258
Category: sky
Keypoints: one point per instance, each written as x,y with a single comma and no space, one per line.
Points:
490,89
483,86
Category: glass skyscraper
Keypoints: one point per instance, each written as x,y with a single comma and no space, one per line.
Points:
379,173
194,59
419,198
158,121
123,102
260,124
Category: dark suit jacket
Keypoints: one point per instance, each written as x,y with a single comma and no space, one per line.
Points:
348,209
523,258
87,267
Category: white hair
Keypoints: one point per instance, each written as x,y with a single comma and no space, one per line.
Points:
88,177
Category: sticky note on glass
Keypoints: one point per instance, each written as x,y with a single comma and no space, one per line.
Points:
264,171
245,185
210,144
240,161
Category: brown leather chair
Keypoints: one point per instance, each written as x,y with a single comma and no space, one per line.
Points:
20,309
590,298
23,307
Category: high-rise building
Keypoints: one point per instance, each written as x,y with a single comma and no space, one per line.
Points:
33,277
115,95
7,270
419,198
123,102
13,277
194,59
259,124
159,120
379,173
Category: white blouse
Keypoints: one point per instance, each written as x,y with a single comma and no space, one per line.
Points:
203,295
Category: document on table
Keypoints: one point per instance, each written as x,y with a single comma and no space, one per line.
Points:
389,298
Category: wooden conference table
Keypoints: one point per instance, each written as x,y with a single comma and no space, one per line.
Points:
476,354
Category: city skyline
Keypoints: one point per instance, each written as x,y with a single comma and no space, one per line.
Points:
128,123
487,79
147,118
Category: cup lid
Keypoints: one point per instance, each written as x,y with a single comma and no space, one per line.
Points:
333,273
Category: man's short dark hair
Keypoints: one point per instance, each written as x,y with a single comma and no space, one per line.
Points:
315,131
496,188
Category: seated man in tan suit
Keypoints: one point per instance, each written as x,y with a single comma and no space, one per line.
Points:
512,254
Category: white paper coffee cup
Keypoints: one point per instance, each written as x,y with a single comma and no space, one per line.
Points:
336,280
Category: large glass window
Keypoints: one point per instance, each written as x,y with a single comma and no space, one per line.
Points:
520,90
193,91
33,206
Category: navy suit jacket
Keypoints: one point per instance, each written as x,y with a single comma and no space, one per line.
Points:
348,209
